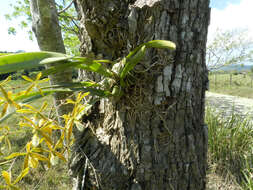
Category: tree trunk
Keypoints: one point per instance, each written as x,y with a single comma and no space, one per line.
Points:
48,33
154,137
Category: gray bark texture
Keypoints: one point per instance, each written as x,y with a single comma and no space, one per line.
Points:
154,137
48,33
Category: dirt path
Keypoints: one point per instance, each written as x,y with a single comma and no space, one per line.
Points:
226,104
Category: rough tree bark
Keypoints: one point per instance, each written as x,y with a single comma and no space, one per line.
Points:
154,137
49,37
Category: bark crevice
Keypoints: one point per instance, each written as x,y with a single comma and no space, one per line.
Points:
154,136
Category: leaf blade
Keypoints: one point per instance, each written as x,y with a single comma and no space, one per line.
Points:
14,62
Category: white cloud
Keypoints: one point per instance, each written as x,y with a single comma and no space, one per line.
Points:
12,43
233,16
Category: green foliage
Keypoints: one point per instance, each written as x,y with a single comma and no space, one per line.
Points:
20,9
229,47
12,30
230,145
68,22
15,62
43,147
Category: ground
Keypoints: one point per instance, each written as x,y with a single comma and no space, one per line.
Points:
227,104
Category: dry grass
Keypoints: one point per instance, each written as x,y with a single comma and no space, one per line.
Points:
241,85
224,155
218,182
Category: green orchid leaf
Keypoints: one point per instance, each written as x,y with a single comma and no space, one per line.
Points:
161,44
105,61
138,53
14,62
132,61
94,91
55,59
25,98
73,85
59,68
94,66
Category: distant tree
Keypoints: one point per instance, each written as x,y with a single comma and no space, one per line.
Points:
67,17
229,47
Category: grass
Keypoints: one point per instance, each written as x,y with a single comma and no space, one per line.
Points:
230,153
240,85
39,179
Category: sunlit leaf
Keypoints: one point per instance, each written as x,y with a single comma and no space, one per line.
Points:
105,61
133,60
5,81
6,95
36,95
7,177
38,149
33,162
47,138
138,53
59,68
13,155
30,121
27,78
26,160
1,138
28,147
69,101
94,66
15,62
29,89
24,111
4,110
55,60
161,44
39,157
43,107
22,175
74,85
8,143
59,155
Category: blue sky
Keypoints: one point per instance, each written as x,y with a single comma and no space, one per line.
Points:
13,43
221,4
225,14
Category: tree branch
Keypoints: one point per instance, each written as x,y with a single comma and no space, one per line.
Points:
66,8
